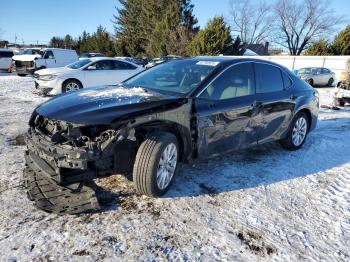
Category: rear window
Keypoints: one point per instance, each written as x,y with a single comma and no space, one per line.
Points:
269,78
6,54
286,80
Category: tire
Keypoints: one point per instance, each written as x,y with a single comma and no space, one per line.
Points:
330,82
71,85
21,75
289,142
147,164
311,82
338,102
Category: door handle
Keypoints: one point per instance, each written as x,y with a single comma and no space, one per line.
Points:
293,97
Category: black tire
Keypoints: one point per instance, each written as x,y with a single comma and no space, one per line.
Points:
330,82
68,82
147,162
287,142
338,102
21,75
311,82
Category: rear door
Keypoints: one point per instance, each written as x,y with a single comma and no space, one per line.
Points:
276,99
123,70
225,112
5,59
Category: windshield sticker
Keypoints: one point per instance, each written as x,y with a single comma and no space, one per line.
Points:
207,63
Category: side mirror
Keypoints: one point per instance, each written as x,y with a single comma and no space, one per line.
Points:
91,68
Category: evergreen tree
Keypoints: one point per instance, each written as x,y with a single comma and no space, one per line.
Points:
341,43
145,27
102,42
319,48
215,39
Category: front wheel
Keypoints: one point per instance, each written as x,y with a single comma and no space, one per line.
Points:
311,82
297,133
71,85
156,164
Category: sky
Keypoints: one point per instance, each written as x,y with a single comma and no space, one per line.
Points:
35,21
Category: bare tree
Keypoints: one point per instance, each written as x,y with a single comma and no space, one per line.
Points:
251,21
300,23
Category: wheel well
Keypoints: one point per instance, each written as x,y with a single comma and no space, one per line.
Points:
65,81
308,114
143,131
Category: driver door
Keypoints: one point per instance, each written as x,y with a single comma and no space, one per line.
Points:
226,112
100,73
50,59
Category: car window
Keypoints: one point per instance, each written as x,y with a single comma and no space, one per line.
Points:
119,65
236,81
104,65
269,78
49,55
325,71
286,80
6,54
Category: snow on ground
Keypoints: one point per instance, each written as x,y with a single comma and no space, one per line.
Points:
262,204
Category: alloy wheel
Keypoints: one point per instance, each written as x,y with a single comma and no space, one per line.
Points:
166,167
299,131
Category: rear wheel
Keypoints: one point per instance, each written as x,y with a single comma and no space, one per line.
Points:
297,132
330,82
71,85
156,164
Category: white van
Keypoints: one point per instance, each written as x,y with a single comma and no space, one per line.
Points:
28,62
5,58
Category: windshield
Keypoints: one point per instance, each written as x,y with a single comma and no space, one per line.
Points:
33,52
79,64
179,76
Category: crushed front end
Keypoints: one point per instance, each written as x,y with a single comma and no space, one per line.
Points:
62,159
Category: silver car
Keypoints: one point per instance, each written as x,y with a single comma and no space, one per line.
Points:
319,76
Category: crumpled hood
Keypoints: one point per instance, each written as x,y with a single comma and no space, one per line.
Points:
102,105
53,71
25,57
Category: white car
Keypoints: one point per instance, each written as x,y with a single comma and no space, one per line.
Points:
5,58
87,72
35,59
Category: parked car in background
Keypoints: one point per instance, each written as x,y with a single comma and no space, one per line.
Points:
161,60
87,72
136,60
175,112
32,59
5,58
317,76
342,90
89,55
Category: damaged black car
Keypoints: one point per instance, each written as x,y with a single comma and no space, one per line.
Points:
170,114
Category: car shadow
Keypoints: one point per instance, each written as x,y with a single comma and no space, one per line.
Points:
266,164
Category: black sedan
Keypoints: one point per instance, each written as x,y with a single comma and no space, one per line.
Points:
176,112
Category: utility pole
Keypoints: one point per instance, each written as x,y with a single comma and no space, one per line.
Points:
15,40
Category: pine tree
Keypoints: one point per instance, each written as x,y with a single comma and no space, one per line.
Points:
341,43
214,39
319,48
148,27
